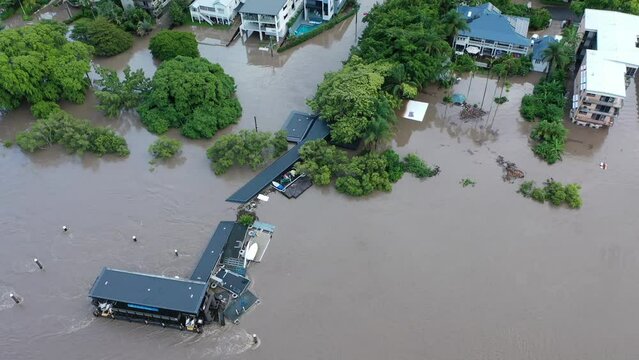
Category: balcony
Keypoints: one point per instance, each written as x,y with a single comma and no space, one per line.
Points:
601,121
600,100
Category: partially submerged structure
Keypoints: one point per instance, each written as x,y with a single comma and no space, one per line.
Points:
491,33
186,304
317,130
607,58
539,60
268,17
214,11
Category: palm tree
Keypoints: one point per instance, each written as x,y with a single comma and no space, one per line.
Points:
380,129
454,22
433,44
555,54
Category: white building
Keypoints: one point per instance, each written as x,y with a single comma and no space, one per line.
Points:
607,59
321,9
214,11
268,17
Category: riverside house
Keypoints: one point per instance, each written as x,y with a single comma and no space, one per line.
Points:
491,33
214,11
607,59
268,17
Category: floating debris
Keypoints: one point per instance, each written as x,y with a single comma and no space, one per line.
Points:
511,172
471,112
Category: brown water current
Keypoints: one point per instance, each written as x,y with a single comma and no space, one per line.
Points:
431,270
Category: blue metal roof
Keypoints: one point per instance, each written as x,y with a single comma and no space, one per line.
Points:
486,22
213,251
144,290
541,45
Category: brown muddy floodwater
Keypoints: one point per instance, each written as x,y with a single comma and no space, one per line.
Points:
430,271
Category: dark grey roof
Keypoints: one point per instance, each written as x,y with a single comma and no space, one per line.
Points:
213,251
241,305
232,282
235,242
319,130
297,126
149,290
263,7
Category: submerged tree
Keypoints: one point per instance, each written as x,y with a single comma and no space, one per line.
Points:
115,95
38,63
191,94
105,37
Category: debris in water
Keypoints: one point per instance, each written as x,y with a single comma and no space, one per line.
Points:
471,112
511,172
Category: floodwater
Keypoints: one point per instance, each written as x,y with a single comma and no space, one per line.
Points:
431,270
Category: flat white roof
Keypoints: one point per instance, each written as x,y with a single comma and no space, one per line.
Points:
415,110
617,35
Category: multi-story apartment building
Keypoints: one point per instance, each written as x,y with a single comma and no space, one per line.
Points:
607,59
490,33
268,17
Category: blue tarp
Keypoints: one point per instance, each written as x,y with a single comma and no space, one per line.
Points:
458,98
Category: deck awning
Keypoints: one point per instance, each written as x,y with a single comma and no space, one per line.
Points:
150,291
415,110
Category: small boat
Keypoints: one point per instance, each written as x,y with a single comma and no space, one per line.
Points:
286,180
278,186
251,251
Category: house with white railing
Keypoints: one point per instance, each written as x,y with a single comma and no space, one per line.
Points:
268,17
214,11
490,33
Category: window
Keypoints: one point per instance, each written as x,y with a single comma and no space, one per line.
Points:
285,16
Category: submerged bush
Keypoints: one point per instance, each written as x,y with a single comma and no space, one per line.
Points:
168,44
77,136
554,192
416,166
165,148
246,219
43,109
244,148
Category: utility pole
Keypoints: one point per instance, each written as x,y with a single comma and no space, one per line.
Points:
356,13
270,45
255,119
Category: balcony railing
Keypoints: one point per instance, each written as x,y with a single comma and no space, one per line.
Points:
604,120
597,100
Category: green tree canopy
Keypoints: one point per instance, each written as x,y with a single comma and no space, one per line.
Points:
105,37
411,33
178,12
168,44
350,98
114,95
321,161
77,136
245,148
165,148
192,94
37,63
